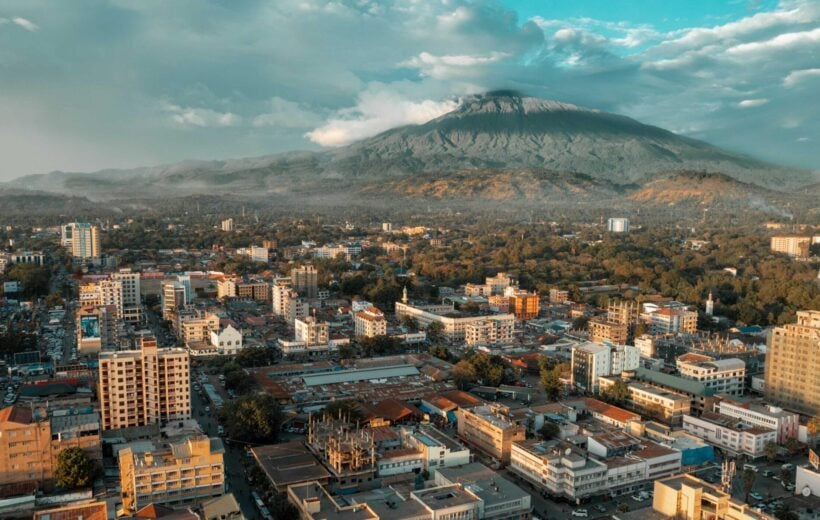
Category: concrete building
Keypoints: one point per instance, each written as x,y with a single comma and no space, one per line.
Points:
437,450
227,225
686,497
97,328
617,225
591,361
187,471
602,330
174,297
625,312
785,423
104,292
145,386
279,296
524,305
305,281
131,287
792,364
453,328
558,296
794,246
730,434
370,323
667,320
28,257
84,239
499,498
724,376
488,428
646,344
196,325
666,406
488,332
311,332
701,397
228,341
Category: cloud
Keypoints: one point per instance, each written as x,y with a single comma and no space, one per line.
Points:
798,76
25,24
287,114
451,65
751,103
200,117
781,42
375,112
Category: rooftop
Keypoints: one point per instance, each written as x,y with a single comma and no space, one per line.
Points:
445,497
366,374
289,463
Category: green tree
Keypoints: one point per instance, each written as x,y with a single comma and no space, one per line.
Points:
256,357
618,393
434,331
54,300
75,469
34,278
793,445
747,482
254,419
770,450
551,382
464,374
238,380
441,352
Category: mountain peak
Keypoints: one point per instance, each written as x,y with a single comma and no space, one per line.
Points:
511,102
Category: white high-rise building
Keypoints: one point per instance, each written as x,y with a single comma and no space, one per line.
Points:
617,225
593,360
710,305
227,224
82,239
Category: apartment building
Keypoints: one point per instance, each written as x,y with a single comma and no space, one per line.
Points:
523,304
453,328
663,405
174,297
724,376
489,429
370,323
625,312
558,296
487,332
785,423
186,471
227,225
602,330
686,497
104,292
84,240
670,320
617,225
258,290
730,434
794,246
437,449
97,328
311,332
196,325
296,307
279,296
591,361
792,364
131,301
305,281
30,440
145,386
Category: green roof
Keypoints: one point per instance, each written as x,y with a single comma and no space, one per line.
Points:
674,382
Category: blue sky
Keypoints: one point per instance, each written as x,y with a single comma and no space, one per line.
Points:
94,84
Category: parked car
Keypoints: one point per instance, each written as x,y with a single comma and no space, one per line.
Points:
756,496
580,512
637,498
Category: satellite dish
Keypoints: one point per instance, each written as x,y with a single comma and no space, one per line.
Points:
805,491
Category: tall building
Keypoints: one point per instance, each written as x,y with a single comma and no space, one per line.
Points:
104,292
305,281
84,239
600,330
796,247
187,471
97,329
686,497
793,364
591,361
131,299
669,320
710,305
145,386
279,296
724,376
524,305
617,225
311,332
488,332
296,308
370,323
174,297
227,224
490,430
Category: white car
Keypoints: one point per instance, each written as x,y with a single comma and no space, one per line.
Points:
580,512
756,496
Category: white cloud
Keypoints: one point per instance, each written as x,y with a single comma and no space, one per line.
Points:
781,42
25,24
200,117
377,111
751,103
450,65
803,139
286,114
797,76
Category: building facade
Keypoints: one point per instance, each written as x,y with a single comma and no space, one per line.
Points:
724,376
370,323
792,364
488,429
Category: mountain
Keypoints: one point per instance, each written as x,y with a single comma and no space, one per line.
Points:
496,145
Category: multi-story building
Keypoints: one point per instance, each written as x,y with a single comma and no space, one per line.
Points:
196,325
227,225
84,239
617,225
625,312
670,320
663,405
97,328
558,296
28,257
602,330
370,323
311,332
645,343
30,440
591,361
792,364
226,288
187,471
437,449
296,307
104,292
730,434
259,291
145,386
794,246
228,340
305,280
489,429
131,301
453,328
524,305
279,296
724,376
486,332
174,297
686,497
785,423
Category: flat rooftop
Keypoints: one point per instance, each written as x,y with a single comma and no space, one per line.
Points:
289,463
445,497
365,374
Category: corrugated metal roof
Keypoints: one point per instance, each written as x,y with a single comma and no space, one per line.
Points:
366,374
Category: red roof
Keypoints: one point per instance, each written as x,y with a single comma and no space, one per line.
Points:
394,410
613,412
16,414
